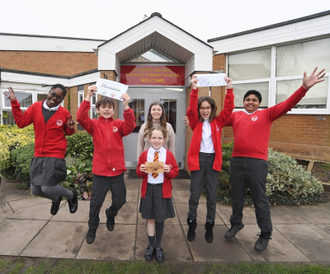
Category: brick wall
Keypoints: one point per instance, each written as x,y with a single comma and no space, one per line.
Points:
57,63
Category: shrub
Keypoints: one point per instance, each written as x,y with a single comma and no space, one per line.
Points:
80,145
79,176
21,158
12,137
287,182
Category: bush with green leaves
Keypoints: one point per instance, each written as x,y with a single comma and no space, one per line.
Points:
11,138
80,145
79,176
287,182
21,158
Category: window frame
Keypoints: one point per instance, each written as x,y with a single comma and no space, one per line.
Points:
273,80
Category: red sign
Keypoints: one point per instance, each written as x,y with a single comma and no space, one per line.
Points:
146,75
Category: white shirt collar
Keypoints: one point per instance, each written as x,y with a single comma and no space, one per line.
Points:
250,113
48,108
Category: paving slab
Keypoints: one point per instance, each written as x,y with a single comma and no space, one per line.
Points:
279,248
30,202
57,240
220,250
309,239
283,215
34,212
15,235
312,213
118,244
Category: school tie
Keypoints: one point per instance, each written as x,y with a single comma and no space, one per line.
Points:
156,159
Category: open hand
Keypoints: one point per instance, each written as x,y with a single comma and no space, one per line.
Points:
11,96
309,81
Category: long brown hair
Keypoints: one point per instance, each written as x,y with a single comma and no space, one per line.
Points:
210,100
149,124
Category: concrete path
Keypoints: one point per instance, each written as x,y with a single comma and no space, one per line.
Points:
301,233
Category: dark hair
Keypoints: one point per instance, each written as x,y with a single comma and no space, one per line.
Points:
149,124
256,93
213,107
59,86
161,129
104,101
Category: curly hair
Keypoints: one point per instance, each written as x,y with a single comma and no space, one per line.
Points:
149,123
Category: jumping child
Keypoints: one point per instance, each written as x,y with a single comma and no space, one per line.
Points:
108,160
51,122
156,191
205,153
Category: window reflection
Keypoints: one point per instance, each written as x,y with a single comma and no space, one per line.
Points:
24,99
170,110
138,108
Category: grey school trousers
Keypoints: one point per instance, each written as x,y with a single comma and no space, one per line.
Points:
252,173
196,187
100,187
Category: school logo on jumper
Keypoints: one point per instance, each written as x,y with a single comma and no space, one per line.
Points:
218,129
254,118
115,129
59,122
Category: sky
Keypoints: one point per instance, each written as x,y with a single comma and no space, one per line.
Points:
104,19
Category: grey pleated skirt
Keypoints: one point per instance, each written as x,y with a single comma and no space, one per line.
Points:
154,206
47,171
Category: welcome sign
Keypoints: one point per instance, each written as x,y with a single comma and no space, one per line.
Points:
148,75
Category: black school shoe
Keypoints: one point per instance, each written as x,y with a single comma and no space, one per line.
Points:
110,221
159,255
231,233
55,206
262,242
90,237
191,235
149,253
209,232
73,203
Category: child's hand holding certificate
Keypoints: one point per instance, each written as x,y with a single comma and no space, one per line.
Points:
110,88
154,167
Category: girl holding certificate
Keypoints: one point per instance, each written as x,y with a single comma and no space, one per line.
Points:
157,166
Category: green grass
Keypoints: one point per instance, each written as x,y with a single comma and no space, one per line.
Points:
51,266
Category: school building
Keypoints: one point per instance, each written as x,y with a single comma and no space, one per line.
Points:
156,59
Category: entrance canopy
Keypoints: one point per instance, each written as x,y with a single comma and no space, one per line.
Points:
161,35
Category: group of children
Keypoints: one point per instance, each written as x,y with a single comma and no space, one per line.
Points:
248,163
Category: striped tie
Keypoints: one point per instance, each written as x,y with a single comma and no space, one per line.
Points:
156,159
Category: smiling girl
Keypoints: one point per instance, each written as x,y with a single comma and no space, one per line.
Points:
156,118
205,154
156,191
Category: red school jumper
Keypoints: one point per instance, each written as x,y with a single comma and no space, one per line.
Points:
216,125
252,131
167,184
109,157
50,139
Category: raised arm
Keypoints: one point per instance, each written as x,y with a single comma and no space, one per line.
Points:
309,81
21,119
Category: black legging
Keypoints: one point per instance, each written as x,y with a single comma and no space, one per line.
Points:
51,192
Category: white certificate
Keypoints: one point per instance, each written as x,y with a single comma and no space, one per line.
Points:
110,88
211,80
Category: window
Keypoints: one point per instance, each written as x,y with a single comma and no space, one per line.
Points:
170,111
138,108
277,72
41,97
80,100
24,99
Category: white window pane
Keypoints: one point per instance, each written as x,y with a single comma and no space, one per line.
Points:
94,113
292,60
241,89
25,99
250,65
316,97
